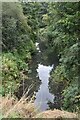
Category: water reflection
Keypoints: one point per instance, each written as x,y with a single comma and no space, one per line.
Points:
39,76
43,96
37,46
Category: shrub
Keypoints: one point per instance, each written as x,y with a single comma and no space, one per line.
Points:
12,72
70,101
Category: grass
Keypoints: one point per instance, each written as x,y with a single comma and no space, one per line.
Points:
11,107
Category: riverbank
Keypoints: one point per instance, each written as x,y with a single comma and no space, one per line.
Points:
12,108
57,114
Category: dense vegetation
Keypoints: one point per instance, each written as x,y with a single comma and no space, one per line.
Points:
18,46
56,27
62,34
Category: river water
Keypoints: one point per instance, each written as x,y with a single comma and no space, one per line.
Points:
39,76
43,96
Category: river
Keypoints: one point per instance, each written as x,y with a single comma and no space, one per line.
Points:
39,76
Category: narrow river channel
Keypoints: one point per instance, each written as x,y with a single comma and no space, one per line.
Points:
43,96
46,93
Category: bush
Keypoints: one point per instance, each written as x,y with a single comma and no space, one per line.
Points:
70,101
12,72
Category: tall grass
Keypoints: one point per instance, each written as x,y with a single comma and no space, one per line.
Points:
11,107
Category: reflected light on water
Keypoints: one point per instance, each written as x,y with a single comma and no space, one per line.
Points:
43,96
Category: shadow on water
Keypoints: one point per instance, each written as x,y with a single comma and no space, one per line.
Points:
56,89
31,80
47,93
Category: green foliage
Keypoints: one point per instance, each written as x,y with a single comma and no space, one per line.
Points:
70,102
12,69
59,74
16,33
56,25
34,12
17,44
62,34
